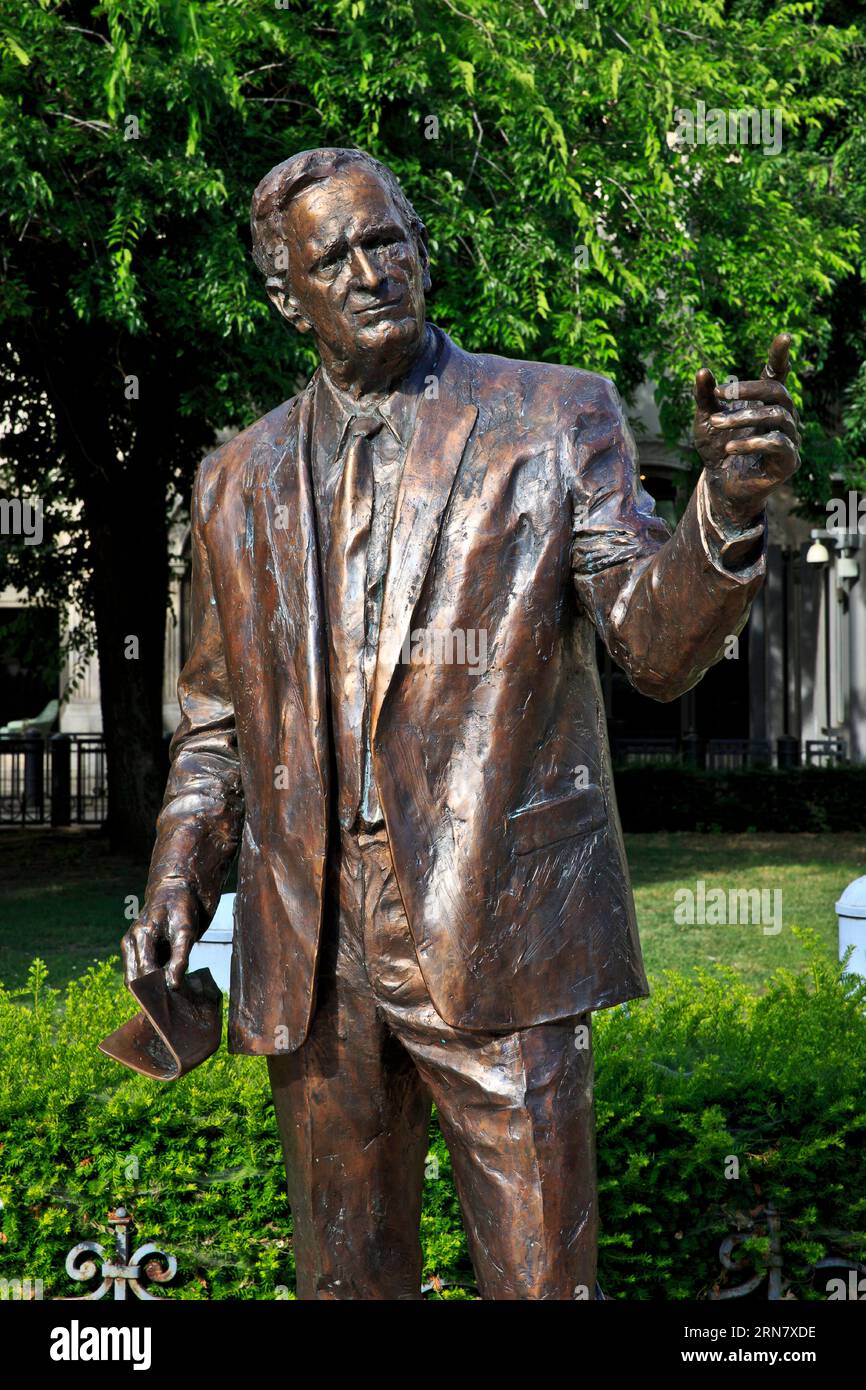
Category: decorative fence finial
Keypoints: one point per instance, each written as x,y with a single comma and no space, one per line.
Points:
124,1270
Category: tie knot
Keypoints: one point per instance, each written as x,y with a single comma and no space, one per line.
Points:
365,425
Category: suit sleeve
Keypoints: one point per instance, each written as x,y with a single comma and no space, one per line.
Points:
663,604
200,823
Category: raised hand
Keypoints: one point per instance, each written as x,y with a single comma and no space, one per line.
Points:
747,434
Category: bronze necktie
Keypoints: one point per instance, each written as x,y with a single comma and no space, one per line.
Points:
351,518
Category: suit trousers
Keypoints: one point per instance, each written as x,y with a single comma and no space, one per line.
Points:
353,1109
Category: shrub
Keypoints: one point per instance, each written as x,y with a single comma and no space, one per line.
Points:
665,797
701,1071
705,1072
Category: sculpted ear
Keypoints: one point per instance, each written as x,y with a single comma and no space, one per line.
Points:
287,306
421,242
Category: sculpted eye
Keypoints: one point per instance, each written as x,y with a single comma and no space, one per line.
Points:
382,240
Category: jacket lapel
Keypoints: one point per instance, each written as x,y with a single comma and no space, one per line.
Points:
289,550
442,427
284,512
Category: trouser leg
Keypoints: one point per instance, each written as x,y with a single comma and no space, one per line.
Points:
517,1116
516,1111
353,1118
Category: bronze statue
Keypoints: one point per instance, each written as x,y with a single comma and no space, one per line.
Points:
391,703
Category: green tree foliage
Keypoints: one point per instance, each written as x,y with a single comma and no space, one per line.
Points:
534,139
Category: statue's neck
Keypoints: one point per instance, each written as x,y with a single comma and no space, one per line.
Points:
363,380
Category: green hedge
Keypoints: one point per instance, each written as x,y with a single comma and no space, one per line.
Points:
665,797
702,1071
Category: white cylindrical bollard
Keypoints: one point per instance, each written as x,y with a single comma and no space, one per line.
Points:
214,950
851,911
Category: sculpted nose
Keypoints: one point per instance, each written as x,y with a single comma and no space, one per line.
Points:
364,271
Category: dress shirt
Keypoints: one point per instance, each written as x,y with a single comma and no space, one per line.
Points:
333,412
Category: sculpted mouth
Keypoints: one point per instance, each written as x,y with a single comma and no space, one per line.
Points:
377,310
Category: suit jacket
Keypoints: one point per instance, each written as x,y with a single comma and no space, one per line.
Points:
520,514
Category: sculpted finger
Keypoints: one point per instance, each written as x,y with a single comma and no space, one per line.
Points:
182,941
781,455
705,390
127,955
768,390
778,358
773,443
144,949
763,418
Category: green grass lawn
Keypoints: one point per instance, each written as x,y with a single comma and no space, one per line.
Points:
810,872
62,897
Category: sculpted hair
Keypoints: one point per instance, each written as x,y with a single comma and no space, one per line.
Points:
285,181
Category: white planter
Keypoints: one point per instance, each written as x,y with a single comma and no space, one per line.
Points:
214,950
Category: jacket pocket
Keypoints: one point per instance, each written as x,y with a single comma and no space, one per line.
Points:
566,818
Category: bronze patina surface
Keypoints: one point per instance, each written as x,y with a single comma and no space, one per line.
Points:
391,705
177,1029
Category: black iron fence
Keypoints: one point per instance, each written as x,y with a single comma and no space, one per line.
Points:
728,754
59,780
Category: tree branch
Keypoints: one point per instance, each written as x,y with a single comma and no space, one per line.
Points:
101,127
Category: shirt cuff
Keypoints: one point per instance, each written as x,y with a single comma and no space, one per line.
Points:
736,551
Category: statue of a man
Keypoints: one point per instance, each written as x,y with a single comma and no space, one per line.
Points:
391,703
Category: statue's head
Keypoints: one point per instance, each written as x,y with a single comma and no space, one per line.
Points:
344,255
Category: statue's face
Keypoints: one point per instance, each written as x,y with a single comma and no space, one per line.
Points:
357,275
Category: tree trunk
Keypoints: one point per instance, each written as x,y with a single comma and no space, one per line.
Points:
130,592
125,513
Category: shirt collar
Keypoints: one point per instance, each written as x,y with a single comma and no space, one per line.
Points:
395,408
